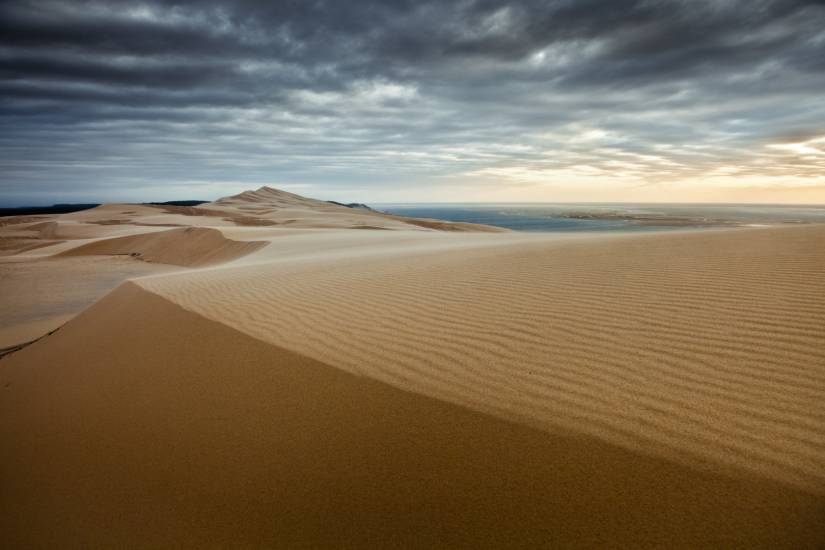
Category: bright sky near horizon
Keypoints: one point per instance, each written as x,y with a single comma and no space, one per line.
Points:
414,100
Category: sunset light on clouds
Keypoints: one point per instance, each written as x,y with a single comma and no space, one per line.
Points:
415,101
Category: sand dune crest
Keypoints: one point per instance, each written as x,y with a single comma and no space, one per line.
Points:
243,444
190,246
704,347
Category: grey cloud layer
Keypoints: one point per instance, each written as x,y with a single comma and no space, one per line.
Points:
104,96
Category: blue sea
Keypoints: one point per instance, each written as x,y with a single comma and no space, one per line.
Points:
557,216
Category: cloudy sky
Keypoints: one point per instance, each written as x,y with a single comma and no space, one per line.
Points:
397,100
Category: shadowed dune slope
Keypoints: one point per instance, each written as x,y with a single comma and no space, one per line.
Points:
190,246
704,347
142,425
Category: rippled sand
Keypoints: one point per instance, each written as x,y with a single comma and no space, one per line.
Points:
416,388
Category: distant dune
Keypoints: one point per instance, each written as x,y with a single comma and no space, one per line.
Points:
283,208
271,378
189,246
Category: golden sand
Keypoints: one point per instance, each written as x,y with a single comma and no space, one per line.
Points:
290,383
186,246
168,430
706,347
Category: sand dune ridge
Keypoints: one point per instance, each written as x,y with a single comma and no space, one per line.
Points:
617,340
244,444
189,246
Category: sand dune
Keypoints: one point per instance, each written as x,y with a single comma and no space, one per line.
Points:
301,384
190,246
39,295
28,234
707,348
284,208
265,207
166,430
51,296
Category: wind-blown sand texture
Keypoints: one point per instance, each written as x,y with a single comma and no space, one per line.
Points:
703,347
419,388
128,442
39,295
156,235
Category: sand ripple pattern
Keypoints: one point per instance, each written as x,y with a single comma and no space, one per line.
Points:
708,347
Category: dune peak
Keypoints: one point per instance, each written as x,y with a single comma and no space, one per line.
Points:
283,207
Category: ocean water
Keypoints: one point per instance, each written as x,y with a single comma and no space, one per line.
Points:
623,216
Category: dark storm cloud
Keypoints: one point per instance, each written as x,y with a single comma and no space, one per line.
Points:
334,92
